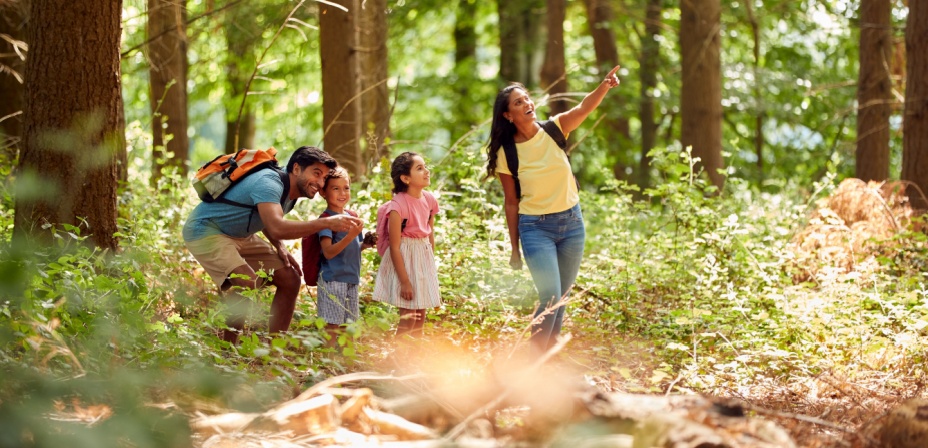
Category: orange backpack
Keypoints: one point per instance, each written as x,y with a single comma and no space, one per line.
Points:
214,178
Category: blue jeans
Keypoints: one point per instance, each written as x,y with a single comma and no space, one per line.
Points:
552,246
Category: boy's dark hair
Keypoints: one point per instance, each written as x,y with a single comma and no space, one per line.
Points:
309,155
336,173
402,166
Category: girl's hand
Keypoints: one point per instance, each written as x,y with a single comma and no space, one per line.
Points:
406,290
515,260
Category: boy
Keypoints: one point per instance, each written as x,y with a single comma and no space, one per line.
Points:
340,270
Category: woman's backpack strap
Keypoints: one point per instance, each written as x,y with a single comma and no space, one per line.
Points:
512,161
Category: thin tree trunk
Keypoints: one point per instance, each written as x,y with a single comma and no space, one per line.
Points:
375,103
241,35
701,97
341,107
168,82
874,90
760,112
69,152
465,68
650,60
915,121
12,64
600,16
520,30
554,71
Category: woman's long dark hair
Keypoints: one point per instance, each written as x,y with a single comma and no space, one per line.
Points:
501,130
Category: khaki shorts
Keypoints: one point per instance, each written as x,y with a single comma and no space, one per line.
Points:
220,254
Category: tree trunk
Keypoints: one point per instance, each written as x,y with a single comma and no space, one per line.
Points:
760,112
168,81
71,119
915,121
241,35
375,102
554,72
650,59
341,107
12,64
701,96
874,90
520,32
465,68
599,15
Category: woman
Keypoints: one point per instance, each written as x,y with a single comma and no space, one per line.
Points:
542,202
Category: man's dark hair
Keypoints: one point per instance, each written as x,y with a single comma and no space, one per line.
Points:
309,155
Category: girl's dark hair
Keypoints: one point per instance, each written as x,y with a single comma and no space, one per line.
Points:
401,166
501,130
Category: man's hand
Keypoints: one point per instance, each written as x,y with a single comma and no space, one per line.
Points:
345,223
287,257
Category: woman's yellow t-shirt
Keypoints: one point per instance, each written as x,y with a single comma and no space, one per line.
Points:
544,174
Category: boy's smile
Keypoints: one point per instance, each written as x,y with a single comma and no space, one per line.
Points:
337,194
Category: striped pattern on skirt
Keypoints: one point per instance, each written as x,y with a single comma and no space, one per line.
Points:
336,302
423,274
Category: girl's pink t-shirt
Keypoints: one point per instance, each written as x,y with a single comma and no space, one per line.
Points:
417,211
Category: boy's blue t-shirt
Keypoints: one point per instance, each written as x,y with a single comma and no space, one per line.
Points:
217,218
346,266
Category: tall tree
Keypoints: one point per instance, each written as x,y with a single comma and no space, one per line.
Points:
599,16
167,52
465,67
701,91
759,113
12,63
874,95
649,61
242,33
520,31
915,120
341,107
554,70
69,152
375,101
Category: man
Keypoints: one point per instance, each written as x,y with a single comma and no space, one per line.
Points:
222,237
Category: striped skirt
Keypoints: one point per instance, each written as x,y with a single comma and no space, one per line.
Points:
423,274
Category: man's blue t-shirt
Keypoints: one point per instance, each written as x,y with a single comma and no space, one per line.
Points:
217,218
346,266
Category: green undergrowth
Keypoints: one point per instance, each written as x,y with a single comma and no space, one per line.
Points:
702,280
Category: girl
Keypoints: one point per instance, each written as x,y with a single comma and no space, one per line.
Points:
408,278
544,214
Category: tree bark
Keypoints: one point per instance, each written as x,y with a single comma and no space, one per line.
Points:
520,31
649,62
701,96
465,68
874,95
915,121
241,35
168,82
71,119
341,107
600,15
554,71
12,64
375,102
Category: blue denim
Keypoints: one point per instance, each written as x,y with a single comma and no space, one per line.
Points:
552,246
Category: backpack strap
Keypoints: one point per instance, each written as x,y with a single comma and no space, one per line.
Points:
512,160
555,132
284,177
